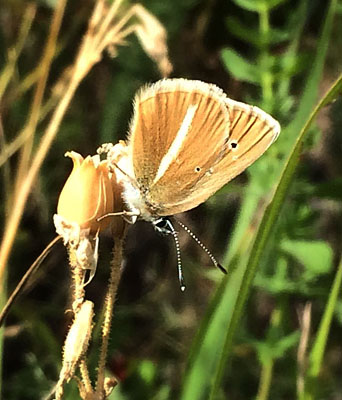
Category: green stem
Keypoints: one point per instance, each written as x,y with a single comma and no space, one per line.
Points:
266,76
318,348
267,365
265,380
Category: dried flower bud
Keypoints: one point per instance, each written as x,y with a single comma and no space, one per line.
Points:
87,193
109,385
76,344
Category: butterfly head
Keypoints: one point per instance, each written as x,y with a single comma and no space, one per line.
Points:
163,225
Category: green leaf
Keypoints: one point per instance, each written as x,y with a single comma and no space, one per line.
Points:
258,5
288,64
316,256
279,281
249,5
273,350
251,35
147,371
270,4
240,68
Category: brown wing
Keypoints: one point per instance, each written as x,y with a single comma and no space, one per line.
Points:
222,140
179,125
252,131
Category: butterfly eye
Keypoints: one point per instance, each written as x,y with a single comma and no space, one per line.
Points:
233,144
198,169
162,225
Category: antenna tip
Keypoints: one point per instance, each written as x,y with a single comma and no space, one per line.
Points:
222,268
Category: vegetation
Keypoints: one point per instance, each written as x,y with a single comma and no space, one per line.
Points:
271,328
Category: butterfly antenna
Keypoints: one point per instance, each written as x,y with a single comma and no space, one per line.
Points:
210,255
179,260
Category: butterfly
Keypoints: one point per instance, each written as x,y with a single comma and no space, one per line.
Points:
186,140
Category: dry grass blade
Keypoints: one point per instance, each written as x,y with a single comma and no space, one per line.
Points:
21,285
305,322
34,113
14,53
153,38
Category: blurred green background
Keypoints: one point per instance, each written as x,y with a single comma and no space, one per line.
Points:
281,55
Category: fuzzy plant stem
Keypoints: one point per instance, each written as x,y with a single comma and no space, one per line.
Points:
78,275
108,313
85,377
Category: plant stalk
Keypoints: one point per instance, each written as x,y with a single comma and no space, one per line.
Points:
114,280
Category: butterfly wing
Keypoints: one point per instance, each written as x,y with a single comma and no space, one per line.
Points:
188,139
177,125
252,131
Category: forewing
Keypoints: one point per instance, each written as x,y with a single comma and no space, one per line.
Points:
177,125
